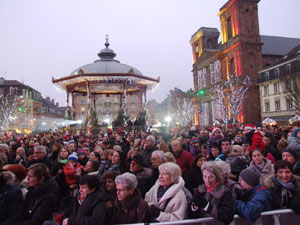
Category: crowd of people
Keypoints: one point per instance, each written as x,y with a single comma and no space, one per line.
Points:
141,177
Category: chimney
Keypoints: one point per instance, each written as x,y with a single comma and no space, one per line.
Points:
56,104
52,101
48,99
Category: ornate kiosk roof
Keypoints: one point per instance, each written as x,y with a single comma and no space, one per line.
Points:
106,76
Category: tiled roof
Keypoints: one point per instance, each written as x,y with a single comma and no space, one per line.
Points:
273,45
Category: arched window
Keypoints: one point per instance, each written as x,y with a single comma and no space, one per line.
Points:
229,27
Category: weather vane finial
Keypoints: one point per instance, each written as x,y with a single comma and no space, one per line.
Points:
106,43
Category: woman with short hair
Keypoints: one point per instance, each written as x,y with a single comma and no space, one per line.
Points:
129,207
212,199
284,186
166,199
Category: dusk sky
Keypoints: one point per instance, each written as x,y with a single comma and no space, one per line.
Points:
40,39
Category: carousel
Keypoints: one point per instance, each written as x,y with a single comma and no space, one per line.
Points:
108,77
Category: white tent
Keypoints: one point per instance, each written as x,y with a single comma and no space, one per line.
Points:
294,119
268,120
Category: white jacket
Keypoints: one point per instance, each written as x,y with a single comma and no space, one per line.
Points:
177,206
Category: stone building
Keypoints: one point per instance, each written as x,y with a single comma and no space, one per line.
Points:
276,82
242,52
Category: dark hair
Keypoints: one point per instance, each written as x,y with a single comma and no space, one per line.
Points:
215,146
97,155
283,164
200,155
268,135
257,150
91,181
204,146
94,164
225,140
40,170
111,175
29,152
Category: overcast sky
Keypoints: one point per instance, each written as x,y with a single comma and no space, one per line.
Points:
40,39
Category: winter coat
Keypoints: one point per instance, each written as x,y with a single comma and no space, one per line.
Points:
294,142
194,178
213,140
265,172
40,203
194,151
185,161
64,189
92,210
143,180
146,154
70,171
11,205
220,204
276,189
175,199
259,201
256,140
133,209
239,163
45,160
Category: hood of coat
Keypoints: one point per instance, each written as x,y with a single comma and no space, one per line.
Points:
132,201
271,182
217,192
49,186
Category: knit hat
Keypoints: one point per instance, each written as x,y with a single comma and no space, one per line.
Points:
73,157
249,127
80,151
250,176
195,141
291,151
5,146
138,159
215,129
18,170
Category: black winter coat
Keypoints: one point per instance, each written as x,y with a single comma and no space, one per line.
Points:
40,203
11,205
92,211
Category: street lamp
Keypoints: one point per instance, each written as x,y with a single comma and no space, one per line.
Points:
168,119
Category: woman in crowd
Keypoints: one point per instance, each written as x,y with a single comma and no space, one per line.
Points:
194,175
214,152
263,166
163,147
215,138
166,199
41,198
212,199
88,207
91,167
285,187
55,150
95,156
129,205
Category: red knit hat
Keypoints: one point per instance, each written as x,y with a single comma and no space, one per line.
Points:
249,127
214,129
19,170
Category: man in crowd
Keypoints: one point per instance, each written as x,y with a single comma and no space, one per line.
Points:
147,153
184,159
291,156
226,148
40,156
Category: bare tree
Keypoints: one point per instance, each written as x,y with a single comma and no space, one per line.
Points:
291,86
230,96
184,111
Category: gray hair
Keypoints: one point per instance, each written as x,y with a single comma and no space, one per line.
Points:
170,157
171,168
5,146
212,167
160,154
3,158
225,167
128,179
117,148
151,137
41,148
179,141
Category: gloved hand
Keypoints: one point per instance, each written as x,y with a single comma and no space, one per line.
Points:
199,201
153,211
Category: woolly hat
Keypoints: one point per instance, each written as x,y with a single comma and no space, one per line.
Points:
73,157
250,176
80,151
5,146
138,159
195,141
18,170
215,129
291,151
249,127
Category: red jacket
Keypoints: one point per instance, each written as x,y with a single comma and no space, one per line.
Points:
185,161
70,172
257,142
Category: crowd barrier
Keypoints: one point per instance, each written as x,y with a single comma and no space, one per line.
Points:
275,217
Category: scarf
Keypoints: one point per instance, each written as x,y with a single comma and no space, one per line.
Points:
286,191
210,189
63,161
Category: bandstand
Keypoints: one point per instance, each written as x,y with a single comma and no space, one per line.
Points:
112,80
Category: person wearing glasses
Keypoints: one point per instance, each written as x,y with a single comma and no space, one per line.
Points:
40,156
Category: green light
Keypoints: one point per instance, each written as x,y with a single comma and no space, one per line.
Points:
20,109
202,92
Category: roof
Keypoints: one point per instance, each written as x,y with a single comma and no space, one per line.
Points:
106,64
274,45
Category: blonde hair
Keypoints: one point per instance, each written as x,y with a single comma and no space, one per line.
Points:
172,169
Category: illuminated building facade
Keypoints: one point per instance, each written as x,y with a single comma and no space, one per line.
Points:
242,52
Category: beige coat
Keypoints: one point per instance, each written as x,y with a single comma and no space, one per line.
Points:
267,171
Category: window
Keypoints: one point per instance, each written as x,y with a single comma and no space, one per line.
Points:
276,88
266,90
288,85
289,105
277,105
229,27
212,73
107,104
82,101
288,68
197,50
267,106
276,72
267,75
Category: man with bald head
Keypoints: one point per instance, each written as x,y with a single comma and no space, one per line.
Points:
20,156
184,159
